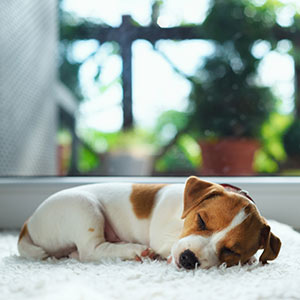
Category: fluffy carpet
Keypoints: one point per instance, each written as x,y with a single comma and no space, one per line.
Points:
69,279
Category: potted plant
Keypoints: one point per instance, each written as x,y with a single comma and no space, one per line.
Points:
121,153
228,107
131,154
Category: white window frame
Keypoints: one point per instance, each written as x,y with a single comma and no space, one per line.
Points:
277,198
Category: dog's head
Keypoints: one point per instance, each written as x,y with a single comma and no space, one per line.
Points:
221,225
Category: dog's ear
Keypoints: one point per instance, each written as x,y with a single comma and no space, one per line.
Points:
196,191
270,243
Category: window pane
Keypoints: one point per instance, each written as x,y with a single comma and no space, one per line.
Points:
140,87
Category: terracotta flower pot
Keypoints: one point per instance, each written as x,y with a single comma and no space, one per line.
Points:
63,159
228,156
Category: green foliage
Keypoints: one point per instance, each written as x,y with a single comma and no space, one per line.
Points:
241,21
263,163
191,150
174,161
87,160
228,106
291,139
177,118
225,100
131,140
168,124
137,141
68,73
295,53
272,152
184,156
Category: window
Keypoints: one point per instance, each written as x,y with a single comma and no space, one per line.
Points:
151,88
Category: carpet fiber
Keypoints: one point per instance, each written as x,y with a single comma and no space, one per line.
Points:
69,279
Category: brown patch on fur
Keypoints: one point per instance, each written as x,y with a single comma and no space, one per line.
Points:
196,191
142,198
243,240
217,212
24,231
91,229
270,243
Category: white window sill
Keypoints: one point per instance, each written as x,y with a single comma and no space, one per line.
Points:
277,198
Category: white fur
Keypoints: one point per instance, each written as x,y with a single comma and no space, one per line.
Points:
205,248
61,224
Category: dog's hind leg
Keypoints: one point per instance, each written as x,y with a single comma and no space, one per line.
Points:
27,248
93,245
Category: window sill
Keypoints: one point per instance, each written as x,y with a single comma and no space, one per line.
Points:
276,197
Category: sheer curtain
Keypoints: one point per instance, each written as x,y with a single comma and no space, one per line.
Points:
28,39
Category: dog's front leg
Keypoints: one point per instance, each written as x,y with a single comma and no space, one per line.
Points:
125,251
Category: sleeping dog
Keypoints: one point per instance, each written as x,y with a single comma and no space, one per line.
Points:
196,224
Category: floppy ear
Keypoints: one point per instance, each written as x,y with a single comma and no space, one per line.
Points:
195,191
270,243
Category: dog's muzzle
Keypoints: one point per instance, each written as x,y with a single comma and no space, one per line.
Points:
188,260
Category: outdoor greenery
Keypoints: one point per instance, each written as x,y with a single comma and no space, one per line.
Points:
226,100
291,139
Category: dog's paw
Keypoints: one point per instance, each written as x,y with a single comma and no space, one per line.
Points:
147,253
151,254
132,251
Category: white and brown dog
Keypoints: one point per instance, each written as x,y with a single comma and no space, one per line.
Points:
197,224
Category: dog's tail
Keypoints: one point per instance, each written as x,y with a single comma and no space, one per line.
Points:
26,246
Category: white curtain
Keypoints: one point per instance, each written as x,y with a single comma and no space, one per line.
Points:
28,72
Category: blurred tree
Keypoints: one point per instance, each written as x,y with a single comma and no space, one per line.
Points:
226,100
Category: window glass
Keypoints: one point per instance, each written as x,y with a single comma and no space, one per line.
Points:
150,87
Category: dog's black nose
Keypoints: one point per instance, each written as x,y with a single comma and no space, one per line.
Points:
188,260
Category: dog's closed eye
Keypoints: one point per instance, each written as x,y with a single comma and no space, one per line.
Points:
201,223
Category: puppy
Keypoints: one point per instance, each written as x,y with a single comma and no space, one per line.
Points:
196,224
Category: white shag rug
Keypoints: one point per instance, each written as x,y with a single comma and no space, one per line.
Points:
68,279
